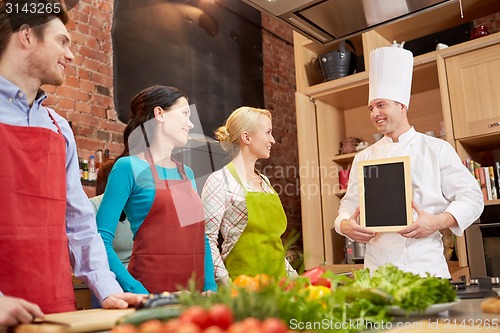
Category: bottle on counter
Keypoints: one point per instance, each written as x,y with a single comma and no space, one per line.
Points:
106,154
85,170
98,160
92,171
80,164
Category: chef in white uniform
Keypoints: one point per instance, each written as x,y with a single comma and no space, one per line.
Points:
445,194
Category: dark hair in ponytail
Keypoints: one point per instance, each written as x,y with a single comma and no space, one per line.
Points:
142,110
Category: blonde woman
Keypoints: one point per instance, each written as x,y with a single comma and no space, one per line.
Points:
241,204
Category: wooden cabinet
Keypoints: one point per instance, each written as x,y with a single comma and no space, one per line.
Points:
474,83
328,112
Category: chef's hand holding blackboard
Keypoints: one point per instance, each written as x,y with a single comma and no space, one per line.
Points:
427,224
351,229
15,311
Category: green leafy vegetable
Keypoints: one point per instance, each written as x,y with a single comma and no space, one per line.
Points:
409,291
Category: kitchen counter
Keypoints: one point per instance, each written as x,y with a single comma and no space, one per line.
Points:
464,316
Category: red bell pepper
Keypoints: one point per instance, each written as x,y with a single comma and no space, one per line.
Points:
315,276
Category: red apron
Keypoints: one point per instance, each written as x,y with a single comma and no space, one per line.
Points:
169,247
34,260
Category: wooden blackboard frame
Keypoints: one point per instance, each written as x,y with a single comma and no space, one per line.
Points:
385,194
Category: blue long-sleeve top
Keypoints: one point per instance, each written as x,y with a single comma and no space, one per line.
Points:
130,188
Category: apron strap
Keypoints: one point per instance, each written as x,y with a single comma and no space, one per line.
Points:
232,170
152,166
55,123
180,168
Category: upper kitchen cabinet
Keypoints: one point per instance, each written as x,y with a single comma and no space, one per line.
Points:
474,83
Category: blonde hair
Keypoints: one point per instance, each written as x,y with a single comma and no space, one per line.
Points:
243,119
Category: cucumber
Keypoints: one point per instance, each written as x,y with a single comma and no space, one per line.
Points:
162,313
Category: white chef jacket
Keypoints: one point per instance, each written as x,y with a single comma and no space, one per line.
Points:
440,183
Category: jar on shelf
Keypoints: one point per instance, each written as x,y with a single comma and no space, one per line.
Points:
479,31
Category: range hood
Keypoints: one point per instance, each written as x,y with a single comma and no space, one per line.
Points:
329,20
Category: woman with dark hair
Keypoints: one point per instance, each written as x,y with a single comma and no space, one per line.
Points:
158,195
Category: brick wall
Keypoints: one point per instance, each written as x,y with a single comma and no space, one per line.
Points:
491,21
86,98
279,96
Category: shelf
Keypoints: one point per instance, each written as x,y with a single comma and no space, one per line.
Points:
340,193
344,158
344,93
484,142
352,91
318,48
492,202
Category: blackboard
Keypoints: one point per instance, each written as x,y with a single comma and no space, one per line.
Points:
385,194
211,50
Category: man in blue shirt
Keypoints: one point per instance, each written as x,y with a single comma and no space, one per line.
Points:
47,226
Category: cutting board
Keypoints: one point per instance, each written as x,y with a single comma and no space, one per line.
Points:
75,322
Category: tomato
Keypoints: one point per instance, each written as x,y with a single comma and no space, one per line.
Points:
124,328
247,282
238,327
273,325
172,325
221,316
251,325
214,329
186,327
197,315
151,326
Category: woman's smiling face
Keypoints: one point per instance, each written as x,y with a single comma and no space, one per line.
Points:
176,124
262,138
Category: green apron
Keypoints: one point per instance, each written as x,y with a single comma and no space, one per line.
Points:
259,248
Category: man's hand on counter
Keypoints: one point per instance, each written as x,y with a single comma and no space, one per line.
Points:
15,311
122,300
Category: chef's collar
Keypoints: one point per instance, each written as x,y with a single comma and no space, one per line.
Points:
405,137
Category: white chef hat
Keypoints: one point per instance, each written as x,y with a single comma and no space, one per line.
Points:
391,70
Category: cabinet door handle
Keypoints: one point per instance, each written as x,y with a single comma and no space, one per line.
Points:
494,124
